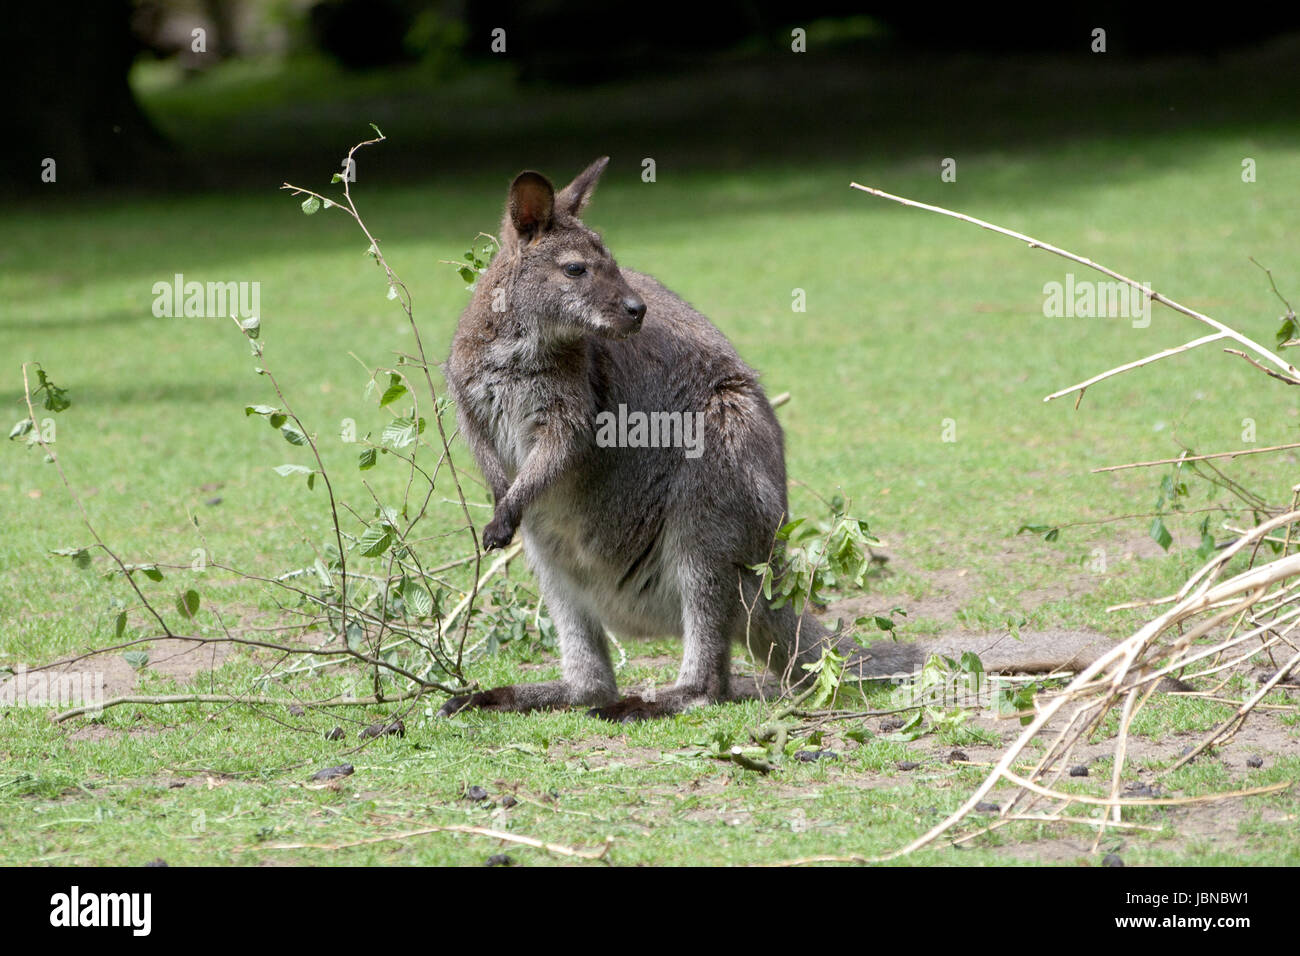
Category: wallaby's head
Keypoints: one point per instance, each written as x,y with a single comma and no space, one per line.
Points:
563,278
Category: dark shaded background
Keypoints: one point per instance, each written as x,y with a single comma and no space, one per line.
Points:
718,84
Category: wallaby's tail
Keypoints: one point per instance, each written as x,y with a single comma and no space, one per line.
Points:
786,642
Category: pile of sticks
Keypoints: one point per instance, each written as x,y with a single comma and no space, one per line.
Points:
1218,623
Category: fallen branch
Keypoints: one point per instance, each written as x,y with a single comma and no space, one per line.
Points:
556,848
226,699
1166,645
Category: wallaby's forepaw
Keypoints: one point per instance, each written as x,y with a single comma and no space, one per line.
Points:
499,532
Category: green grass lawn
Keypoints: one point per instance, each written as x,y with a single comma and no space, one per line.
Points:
911,319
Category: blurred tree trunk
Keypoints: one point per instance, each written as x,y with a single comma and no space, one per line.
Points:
66,65
222,15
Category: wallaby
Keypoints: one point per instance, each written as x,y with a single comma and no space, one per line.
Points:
643,534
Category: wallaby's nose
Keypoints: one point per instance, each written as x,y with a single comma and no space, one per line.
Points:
634,306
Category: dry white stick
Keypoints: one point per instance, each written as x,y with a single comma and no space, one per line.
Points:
1146,801
1127,366
1121,751
556,848
1126,652
1055,818
1123,669
1291,371
1183,458
1227,553
1241,713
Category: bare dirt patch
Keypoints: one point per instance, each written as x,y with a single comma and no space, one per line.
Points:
947,592
177,659
95,678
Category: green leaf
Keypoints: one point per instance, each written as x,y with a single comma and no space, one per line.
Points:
80,556
376,129
1160,534
252,326
322,573
56,399
366,460
119,625
788,529
259,410
401,432
1287,331
336,178
396,389
311,205
136,659
277,419
829,670
1018,700
912,730
1208,544
355,637
293,435
417,599
188,603
22,428
375,541
148,570
467,273
284,471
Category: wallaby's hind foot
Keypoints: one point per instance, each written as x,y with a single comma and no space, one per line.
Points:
667,703
520,698
630,710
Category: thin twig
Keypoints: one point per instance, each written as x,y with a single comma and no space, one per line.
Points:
1184,458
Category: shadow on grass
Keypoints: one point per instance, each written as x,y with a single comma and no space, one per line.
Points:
91,321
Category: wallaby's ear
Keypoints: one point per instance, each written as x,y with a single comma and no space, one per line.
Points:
532,203
575,195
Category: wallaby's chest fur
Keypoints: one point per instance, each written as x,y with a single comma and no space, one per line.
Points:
615,517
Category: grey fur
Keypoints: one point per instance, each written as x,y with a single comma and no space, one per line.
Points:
642,541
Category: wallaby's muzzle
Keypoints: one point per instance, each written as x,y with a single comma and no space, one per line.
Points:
634,309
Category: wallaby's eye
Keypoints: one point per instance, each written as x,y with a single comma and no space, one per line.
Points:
575,269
